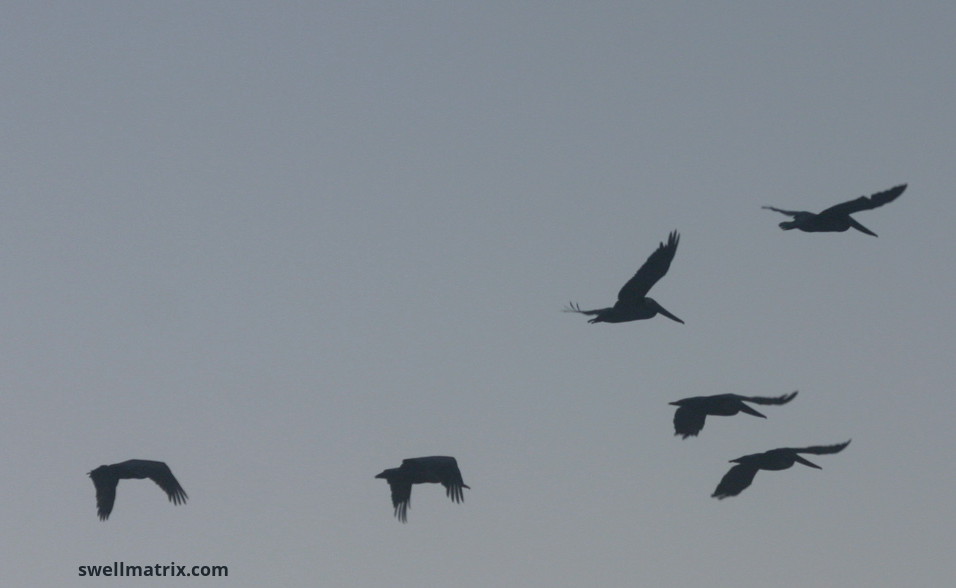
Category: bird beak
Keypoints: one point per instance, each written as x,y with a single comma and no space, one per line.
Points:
861,228
748,410
663,311
807,462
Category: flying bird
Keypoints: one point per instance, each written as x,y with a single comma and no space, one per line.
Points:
837,218
106,477
632,301
436,469
742,475
691,412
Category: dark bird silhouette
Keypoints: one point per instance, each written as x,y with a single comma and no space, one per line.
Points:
837,218
632,301
691,412
742,475
436,469
106,477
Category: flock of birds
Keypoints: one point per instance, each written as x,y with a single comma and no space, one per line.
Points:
632,304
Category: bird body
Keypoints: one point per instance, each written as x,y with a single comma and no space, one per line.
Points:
837,218
106,478
632,301
435,469
741,475
692,412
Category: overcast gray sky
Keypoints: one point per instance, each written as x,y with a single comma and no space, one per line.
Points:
283,246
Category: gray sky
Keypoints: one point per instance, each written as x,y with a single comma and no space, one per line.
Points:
282,246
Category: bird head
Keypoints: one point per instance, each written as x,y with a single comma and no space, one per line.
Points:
387,474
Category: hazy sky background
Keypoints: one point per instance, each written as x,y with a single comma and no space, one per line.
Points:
283,246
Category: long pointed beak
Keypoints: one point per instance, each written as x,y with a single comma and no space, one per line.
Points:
807,462
749,410
663,311
861,228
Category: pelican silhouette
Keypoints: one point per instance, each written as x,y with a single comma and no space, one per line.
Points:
106,477
691,412
632,301
436,469
837,218
742,475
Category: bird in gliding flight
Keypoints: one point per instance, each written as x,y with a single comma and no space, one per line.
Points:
692,412
742,475
837,218
632,301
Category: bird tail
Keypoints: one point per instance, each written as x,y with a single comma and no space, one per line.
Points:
573,307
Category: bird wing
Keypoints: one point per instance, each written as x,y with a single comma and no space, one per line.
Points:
688,421
770,399
653,270
448,474
160,473
823,449
401,496
864,203
781,211
105,484
735,481
451,479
